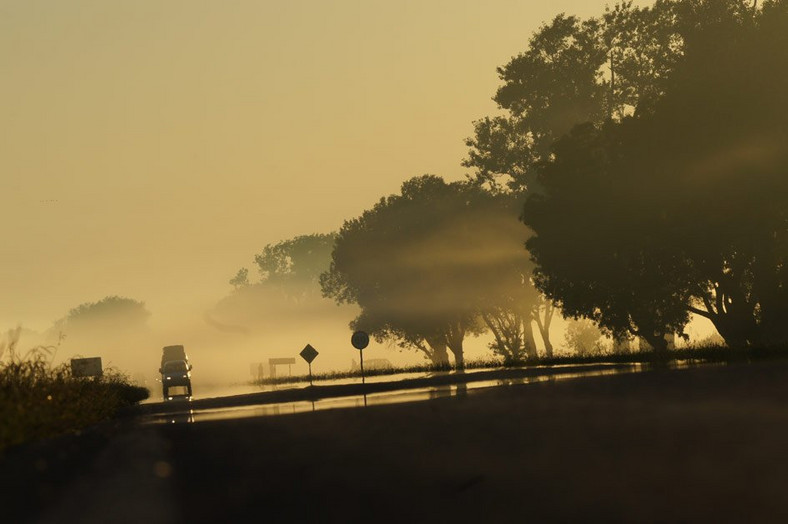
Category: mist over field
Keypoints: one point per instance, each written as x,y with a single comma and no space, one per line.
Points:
150,149
625,185
536,255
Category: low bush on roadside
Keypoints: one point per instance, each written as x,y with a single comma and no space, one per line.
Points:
38,400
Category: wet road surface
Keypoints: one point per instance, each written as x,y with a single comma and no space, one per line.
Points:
701,444
395,389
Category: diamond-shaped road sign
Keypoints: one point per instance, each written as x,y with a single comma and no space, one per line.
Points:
308,353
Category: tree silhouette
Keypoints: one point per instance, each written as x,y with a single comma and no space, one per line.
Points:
573,71
598,252
729,166
294,266
241,279
112,316
288,287
681,208
398,262
433,264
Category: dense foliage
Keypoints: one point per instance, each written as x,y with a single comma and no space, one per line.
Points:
574,71
684,207
646,149
435,263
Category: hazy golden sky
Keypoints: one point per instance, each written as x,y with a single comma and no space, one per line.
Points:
149,148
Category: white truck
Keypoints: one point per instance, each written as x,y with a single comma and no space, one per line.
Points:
175,372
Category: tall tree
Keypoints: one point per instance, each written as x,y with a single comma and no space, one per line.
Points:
687,200
598,252
573,71
729,165
411,264
438,262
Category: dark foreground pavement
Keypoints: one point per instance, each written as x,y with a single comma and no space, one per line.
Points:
704,444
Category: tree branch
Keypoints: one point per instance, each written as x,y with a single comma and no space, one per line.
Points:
701,312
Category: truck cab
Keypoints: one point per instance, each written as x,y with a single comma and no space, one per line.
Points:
175,372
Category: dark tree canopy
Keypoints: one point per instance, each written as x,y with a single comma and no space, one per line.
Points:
725,127
573,71
599,253
682,208
423,264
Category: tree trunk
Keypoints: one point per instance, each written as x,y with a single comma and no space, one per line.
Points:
769,290
548,346
734,318
544,326
529,341
459,358
439,355
454,340
657,342
496,327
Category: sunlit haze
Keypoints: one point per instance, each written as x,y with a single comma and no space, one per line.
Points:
149,149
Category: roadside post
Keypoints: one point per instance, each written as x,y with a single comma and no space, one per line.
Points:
360,340
309,353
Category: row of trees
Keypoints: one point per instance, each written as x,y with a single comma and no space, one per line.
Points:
646,151
649,146
421,278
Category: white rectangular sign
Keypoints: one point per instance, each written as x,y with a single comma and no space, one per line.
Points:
86,367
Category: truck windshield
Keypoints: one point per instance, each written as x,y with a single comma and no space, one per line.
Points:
178,365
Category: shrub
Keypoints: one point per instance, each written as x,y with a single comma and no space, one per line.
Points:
39,401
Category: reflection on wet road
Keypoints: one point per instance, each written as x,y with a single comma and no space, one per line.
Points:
204,391
182,412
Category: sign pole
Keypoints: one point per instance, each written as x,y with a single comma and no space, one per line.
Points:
309,353
360,340
361,354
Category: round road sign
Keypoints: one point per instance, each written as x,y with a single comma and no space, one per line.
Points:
360,340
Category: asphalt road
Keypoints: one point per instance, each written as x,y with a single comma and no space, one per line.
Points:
704,444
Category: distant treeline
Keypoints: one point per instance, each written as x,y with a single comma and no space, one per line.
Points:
642,159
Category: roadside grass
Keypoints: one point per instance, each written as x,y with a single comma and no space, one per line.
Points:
38,401
699,354
375,372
